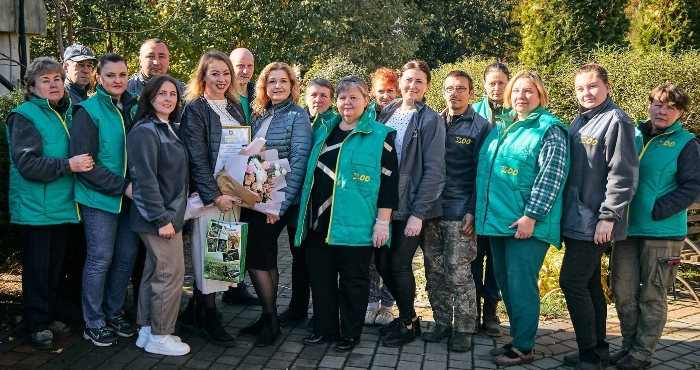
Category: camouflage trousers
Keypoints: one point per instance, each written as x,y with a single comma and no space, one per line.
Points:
450,285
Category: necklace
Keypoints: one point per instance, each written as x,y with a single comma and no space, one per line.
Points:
219,107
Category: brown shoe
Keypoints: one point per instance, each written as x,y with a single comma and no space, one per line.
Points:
522,358
630,362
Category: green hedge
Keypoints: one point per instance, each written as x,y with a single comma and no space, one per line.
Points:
632,76
9,253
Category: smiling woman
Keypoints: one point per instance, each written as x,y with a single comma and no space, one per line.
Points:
420,148
523,190
41,193
100,126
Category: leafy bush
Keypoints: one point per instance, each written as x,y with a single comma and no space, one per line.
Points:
8,246
334,69
632,76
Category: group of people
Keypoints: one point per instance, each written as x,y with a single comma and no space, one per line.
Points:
483,189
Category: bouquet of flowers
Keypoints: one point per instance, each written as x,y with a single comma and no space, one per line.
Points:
259,174
256,176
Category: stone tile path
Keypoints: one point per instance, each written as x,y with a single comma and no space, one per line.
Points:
679,347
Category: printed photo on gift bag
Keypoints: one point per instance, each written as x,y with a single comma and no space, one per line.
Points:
224,258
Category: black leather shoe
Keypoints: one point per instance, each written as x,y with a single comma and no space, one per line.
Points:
629,362
291,316
345,344
240,295
254,328
314,340
618,355
400,335
388,328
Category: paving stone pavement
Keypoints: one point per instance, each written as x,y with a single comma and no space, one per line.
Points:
679,347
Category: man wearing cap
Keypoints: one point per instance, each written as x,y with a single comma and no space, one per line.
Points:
154,59
78,62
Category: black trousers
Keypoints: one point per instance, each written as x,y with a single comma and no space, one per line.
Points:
395,265
580,282
301,290
339,277
71,281
42,250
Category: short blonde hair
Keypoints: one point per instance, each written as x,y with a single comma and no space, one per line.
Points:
261,98
535,79
196,86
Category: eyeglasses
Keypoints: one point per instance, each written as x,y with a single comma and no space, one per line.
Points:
459,89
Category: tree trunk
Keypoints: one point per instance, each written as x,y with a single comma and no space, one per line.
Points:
59,31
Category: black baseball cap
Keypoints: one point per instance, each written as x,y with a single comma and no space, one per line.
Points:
78,53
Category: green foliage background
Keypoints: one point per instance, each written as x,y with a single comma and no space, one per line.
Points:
632,75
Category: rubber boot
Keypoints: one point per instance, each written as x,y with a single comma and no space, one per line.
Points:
270,330
214,332
492,324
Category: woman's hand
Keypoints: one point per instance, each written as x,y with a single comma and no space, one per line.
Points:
128,192
271,219
467,224
603,230
226,202
413,226
167,231
525,226
380,233
81,163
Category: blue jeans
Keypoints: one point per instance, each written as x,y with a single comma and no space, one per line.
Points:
111,253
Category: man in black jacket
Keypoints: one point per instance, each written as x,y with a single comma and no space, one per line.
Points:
78,62
449,242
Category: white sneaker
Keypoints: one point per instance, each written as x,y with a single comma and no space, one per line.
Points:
384,316
142,340
370,316
169,345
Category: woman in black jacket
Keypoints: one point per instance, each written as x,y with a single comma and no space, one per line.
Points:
211,103
159,188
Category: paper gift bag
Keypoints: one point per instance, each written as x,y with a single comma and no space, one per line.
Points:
224,254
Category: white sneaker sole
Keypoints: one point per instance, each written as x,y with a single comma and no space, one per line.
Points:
167,351
99,344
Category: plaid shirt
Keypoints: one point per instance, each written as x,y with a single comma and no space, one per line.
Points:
552,163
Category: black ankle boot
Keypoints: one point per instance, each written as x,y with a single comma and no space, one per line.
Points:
191,318
270,330
214,332
254,328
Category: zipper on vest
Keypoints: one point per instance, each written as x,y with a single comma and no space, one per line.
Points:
63,121
340,151
65,127
121,197
641,154
306,210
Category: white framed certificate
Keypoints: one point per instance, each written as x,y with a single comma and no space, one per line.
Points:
233,139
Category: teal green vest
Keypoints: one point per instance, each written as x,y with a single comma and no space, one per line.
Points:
111,152
483,108
657,177
318,120
39,203
506,173
358,172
